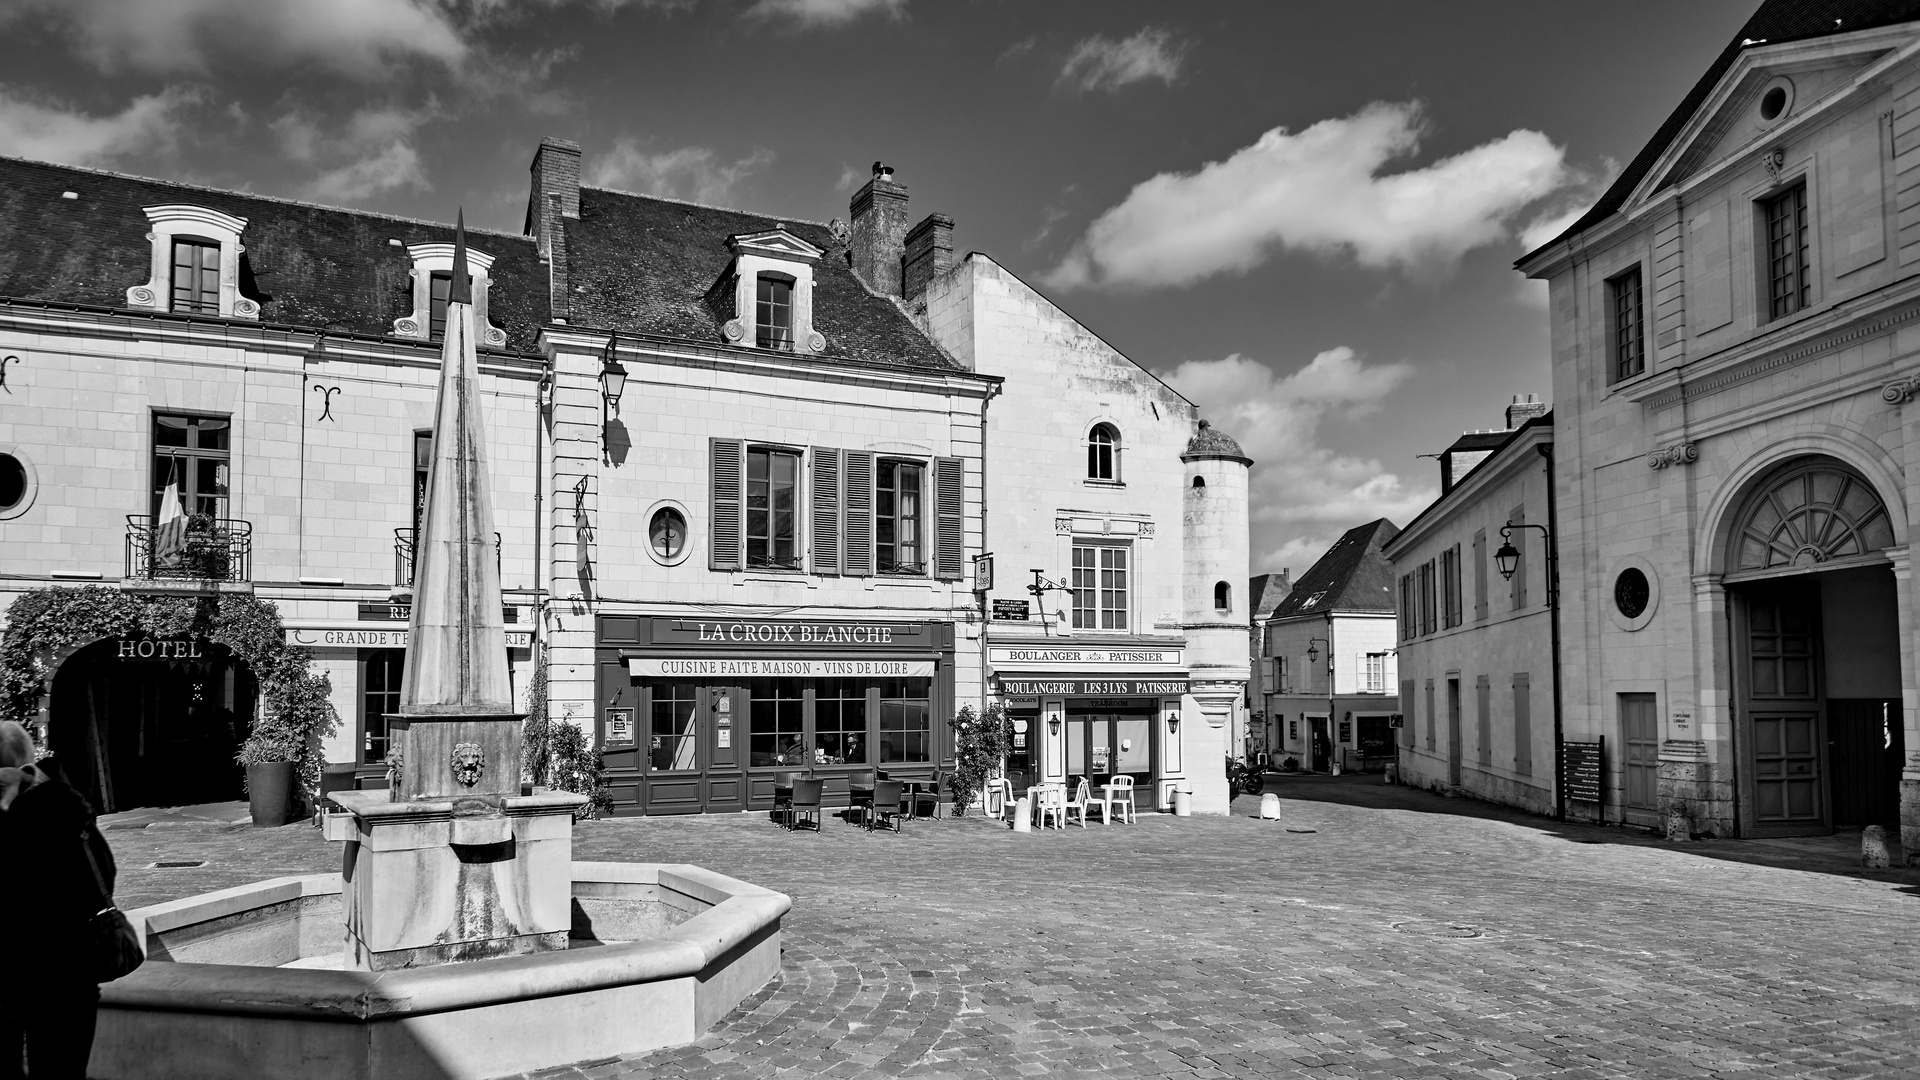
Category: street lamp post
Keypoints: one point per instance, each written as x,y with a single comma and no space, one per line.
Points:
1507,559
1313,658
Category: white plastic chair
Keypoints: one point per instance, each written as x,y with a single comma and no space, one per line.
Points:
1117,797
1051,800
1078,804
999,797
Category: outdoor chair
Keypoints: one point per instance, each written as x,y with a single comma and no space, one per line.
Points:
1117,798
925,791
885,805
783,797
1050,801
999,796
860,793
805,803
1077,806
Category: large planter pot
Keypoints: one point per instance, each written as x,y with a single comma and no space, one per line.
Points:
270,793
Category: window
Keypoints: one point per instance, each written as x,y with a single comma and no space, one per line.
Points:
773,312
1788,286
422,466
1103,453
1629,343
381,673
897,515
1199,483
191,456
1293,731
1428,622
439,287
906,721
1407,631
840,721
771,476
1099,587
1280,674
1518,586
1452,608
1373,674
671,729
1480,574
196,276
776,724
1222,596
667,535
16,485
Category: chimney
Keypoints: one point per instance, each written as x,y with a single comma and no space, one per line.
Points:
556,171
879,231
1522,411
929,253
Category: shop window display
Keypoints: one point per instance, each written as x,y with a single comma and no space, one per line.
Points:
906,721
839,722
777,727
671,742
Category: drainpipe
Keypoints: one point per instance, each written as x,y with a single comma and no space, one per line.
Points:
1553,610
1333,729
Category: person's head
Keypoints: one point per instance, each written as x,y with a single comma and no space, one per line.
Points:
16,746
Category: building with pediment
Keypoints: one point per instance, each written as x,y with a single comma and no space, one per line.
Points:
1734,370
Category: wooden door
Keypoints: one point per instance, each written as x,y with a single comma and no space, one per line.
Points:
1865,744
1785,713
622,722
1640,736
726,792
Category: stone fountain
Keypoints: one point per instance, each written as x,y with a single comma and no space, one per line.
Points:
473,945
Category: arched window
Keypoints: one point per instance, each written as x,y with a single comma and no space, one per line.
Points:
1103,453
1222,596
1807,515
1199,483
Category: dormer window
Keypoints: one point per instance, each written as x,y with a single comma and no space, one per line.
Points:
194,264
765,296
432,280
773,313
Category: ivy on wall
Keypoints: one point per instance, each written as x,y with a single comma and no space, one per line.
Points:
295,714
536,751
980,749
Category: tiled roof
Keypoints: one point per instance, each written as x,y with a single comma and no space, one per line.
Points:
1352,576
644,264
1264,593
307,265
1210,441
1776,21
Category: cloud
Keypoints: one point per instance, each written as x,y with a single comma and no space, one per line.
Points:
1304,495
393,166
690,172
817,14
47,130
371,152
1320,191
1101,63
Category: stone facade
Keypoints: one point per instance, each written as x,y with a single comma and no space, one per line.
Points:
1734,335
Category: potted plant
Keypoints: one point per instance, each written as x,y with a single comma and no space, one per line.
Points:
269,754
208,546
281,752
980,748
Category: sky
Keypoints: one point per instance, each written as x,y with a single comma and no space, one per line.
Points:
1303,215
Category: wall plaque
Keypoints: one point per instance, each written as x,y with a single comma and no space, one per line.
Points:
1010,611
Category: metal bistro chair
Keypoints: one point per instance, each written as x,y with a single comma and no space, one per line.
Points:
860,787
885,804
1117,797
783,798
925,791
806,803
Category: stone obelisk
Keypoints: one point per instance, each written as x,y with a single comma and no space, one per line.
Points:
454,863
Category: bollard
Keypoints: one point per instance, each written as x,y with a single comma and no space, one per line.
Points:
1269,807
1182,801
1390,773
1679,828
1873,848
1023,814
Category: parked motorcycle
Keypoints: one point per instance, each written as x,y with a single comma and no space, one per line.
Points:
1245,777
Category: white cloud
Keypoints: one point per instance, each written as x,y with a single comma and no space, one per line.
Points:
1304,495
1544,228
393,166
1101,63
47,130
1320,191
810,14
690,172
371,152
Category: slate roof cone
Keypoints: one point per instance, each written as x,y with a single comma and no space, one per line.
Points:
456,636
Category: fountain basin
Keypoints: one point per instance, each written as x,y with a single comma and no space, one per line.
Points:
236,984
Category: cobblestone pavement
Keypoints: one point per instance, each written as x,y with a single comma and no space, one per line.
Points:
1396,934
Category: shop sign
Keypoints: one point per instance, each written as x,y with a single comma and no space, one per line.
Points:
776,667
356,637
158,649
1010,611
404,613
1019,725
1093,687
983,573
1018,655
833,635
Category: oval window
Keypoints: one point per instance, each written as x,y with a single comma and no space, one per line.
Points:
667,534
1631,592
13,482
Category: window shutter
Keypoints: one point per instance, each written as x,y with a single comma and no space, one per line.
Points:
856,480
728,457
950,493
826,510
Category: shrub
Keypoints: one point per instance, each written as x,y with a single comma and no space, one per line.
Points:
980,749
578,768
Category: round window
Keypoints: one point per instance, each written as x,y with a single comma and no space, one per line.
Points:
13,482
667,534
1776,100
1631,592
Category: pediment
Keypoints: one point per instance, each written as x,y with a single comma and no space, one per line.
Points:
774,244
1763,96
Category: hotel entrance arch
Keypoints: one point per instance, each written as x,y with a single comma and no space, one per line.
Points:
1815,649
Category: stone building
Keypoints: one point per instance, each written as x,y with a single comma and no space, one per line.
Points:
1475,648
1264,593
740,482
1328,648
1733,375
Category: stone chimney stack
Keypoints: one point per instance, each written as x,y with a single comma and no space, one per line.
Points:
556,171
1522,411
879,231
929,253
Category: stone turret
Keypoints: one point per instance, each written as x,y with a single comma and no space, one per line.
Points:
1215,620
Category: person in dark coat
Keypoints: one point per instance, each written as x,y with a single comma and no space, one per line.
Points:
48,1001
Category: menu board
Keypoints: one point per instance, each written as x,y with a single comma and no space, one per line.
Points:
619,726
1581,766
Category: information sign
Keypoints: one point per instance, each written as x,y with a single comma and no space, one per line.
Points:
1582,770
619,726
1010,611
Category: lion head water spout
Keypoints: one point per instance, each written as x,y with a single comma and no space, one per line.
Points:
454,863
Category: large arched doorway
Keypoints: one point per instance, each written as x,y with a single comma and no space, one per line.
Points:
140,721
1816,649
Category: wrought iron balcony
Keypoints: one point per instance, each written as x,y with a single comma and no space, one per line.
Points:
197,548
403,556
